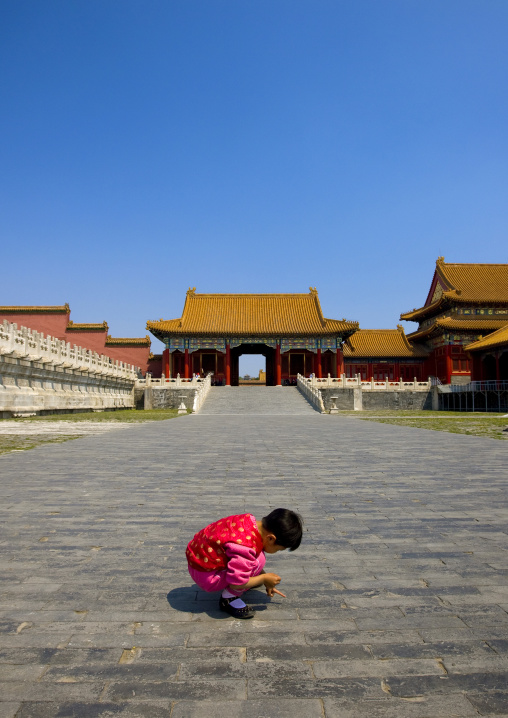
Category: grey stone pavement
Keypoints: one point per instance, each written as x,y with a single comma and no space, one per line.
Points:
396,601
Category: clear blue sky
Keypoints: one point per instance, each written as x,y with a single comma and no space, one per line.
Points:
248,146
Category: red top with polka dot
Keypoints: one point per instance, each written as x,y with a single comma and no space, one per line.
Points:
206,550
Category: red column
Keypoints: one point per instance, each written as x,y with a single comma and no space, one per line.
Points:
278,376
228,365
187,372
340,362
165,363
396,371
319,372
498,373
449,365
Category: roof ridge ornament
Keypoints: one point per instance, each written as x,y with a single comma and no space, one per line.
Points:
191,291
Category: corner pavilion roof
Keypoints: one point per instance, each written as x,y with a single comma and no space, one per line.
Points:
496,339
252,315
370,343
463,284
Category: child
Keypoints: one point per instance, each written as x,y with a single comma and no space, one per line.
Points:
229,555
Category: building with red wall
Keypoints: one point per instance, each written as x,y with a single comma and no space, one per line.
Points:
489,356
381,354
55,321
51,321
288,329
465,303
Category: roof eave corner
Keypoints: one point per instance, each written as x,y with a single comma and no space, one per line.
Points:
314,293
400,328
190,294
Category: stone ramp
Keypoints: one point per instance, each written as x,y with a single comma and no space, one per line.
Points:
256,401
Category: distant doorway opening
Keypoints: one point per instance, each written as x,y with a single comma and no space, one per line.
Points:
252,368
263,353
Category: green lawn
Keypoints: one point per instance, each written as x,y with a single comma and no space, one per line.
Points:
130,415
29,439
472,423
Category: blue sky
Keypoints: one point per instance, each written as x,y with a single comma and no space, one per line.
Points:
248,146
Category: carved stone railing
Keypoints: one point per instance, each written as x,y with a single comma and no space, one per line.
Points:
311,392
174,392
200,395
30,345
44,374
344,382
175,382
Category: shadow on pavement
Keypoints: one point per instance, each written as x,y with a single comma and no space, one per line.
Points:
191,599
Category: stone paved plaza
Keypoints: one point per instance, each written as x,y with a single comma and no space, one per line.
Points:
397,600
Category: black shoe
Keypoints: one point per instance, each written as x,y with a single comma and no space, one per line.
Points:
225,605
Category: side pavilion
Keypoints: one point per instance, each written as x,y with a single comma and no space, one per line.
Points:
289,330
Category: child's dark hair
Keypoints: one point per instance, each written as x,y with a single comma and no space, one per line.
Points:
286,526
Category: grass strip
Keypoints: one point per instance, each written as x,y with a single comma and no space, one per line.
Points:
24,442
123,415
486,426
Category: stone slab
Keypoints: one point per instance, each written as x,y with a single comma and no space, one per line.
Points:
396,601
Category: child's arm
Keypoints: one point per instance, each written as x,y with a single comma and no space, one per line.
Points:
269,580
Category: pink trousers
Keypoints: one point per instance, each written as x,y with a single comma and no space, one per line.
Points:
218,581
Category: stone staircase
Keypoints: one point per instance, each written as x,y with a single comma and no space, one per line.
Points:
256,401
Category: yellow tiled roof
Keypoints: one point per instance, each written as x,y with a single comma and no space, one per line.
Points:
381,343
36,310
466,284
72,326
126,341
251,314
496,339
453,324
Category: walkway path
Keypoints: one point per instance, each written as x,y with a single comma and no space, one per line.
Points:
256,400
397,599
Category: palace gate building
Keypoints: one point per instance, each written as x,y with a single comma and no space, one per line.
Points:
289,330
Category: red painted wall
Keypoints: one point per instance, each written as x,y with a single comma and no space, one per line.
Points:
53,325
136,355
155,366
95,341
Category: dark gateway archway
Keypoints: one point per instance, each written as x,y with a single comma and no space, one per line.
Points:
267,352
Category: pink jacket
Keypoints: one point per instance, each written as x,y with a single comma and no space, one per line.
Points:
233,543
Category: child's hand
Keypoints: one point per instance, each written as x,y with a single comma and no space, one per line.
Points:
271,580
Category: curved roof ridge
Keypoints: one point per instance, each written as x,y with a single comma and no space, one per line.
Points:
192,293
440,271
